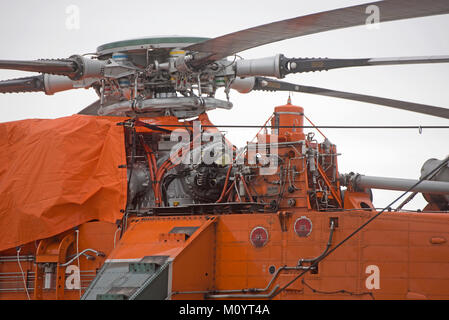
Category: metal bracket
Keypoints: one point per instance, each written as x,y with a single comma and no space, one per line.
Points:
42,257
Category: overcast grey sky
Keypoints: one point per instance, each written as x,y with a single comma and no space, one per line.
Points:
39,29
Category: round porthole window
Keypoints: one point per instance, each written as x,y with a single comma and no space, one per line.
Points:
303,226
259,237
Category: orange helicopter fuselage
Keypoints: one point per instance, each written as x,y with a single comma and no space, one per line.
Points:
290,248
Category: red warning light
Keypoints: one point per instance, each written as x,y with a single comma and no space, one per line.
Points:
259,237
303,226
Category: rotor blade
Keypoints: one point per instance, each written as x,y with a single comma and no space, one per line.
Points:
320,64
58,67
92,109
279,66
389,10
28,84
267,84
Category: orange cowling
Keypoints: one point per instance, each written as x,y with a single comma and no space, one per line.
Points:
287,117
57,174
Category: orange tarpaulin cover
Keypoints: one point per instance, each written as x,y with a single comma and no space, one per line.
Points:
56,174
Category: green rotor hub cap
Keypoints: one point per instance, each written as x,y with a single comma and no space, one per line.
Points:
148,43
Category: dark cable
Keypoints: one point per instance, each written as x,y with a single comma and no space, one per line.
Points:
337,291
306,127
443,163
131,164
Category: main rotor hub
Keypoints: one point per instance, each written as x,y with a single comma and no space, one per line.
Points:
142,45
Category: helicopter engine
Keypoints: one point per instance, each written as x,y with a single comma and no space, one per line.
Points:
184,183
